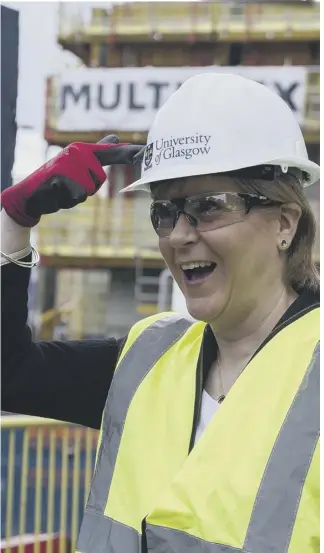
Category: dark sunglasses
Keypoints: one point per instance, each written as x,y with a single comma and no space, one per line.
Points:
205,211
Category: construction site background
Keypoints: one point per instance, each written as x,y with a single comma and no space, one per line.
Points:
100,269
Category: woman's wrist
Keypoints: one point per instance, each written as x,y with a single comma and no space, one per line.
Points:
15,239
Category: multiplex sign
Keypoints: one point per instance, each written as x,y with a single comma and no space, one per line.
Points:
127,99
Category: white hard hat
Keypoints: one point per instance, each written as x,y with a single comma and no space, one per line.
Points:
217,123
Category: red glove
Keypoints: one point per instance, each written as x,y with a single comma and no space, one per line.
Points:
66,180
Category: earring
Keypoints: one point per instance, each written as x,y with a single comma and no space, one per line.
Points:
284,244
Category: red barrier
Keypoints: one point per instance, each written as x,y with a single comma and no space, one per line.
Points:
29,544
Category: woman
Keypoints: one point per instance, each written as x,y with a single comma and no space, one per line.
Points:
209,437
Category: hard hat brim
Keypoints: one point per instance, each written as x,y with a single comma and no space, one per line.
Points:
309,167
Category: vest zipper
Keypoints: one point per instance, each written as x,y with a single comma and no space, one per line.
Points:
198,397
144,538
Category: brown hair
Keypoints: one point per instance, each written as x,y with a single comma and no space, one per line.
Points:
302,272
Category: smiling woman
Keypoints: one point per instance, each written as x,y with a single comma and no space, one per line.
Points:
210,428
215,211
215,226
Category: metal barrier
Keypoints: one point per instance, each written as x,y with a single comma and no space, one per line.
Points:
46,471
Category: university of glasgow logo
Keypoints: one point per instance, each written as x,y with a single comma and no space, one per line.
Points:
148,156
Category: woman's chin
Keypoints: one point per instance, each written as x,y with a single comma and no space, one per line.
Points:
203,310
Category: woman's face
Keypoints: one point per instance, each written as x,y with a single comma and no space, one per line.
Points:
245,256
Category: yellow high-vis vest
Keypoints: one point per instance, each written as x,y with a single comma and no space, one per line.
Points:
251,482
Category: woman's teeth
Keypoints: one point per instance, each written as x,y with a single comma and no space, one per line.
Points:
195,264
197,271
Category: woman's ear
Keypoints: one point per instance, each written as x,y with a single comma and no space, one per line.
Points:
289,216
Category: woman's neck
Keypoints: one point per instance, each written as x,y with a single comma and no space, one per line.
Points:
238,343
237,346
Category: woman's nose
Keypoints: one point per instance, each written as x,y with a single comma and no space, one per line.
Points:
183,233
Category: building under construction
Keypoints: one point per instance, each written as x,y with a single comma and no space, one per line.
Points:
101,269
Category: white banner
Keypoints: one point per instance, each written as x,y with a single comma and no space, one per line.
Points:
127,99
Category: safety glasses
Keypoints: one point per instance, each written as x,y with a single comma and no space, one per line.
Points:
205,211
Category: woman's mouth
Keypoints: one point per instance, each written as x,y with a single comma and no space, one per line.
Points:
196,272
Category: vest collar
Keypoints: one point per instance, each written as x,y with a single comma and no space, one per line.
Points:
305,301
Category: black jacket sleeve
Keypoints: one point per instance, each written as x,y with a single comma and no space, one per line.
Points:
66,381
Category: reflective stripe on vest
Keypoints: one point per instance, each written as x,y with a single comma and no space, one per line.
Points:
96,529
101,534
276,506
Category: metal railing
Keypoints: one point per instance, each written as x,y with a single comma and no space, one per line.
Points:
154,18
265,20
46,471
